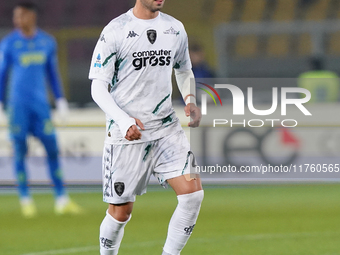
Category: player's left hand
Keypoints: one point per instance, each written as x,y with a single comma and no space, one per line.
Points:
2,113
195,113
62,108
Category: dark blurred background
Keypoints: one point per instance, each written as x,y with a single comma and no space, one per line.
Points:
232,38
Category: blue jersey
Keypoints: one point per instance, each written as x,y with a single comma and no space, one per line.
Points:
31,62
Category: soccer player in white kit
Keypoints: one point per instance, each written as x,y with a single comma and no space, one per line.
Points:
131,82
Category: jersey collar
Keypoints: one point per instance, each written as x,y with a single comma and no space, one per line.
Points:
130,13
28,37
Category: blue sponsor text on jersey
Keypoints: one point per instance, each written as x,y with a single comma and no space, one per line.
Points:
98,62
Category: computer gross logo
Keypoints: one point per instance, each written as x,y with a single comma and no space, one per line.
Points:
152,58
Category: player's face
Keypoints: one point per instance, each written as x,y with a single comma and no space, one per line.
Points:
24,19
153,5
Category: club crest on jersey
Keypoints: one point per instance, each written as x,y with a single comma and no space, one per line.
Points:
152,35
119,188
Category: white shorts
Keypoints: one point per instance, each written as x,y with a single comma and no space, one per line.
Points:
128,168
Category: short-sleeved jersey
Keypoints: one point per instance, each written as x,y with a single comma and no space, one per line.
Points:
136,57
31,62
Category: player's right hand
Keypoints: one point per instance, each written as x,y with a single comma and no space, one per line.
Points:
62,109
133,132
195,113
2,113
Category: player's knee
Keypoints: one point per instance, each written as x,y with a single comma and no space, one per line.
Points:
52,154
192,201
120,213
122,216
51,147
20,149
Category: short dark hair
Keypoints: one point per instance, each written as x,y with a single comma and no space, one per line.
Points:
27,5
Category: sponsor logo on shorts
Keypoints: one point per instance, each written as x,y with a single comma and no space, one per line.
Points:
119,188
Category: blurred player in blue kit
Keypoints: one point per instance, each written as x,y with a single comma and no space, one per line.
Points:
28,54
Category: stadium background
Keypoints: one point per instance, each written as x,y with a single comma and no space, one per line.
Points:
241,39
77,23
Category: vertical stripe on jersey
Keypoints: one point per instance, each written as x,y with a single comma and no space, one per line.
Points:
160,103
117,67
108,58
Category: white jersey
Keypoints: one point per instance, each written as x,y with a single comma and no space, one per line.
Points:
135,57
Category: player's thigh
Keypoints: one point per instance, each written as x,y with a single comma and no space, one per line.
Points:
126,172
174,159
185,184
19,121
49,141
41,123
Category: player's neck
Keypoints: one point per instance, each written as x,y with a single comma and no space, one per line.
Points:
141,12
29,32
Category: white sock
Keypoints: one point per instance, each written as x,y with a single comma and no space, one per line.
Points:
26,201
182,222
62,201
111,235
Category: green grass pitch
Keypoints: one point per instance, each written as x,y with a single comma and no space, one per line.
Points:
236,220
